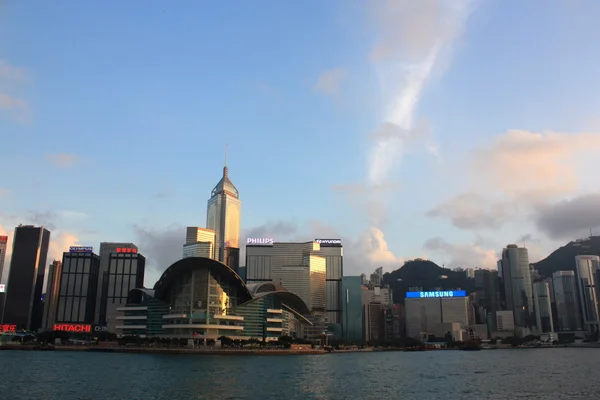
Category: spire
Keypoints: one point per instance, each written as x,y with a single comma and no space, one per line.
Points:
225,169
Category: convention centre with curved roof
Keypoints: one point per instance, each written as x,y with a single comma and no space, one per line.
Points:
203,298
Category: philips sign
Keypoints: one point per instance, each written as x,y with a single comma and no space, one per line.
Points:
436,294
265,241
80,249
329,242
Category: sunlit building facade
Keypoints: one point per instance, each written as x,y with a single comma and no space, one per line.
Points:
199,242
3,245
587,268
224,217
333,252
52,290
202,298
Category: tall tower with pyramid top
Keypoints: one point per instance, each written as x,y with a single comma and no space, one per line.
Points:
223,216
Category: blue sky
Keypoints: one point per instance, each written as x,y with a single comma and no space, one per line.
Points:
114,118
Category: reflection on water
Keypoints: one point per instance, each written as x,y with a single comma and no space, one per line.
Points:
502,374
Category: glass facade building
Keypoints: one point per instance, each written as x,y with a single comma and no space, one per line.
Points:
543,307
125,272
77,288
52,290
352,308
587,268
202,298
517,286
23,302
333,252
567,301
224,216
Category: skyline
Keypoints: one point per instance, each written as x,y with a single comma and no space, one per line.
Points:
406,130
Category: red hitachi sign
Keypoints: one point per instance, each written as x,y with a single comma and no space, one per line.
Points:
73,327
3,239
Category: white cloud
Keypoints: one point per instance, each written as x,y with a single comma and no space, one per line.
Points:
462,255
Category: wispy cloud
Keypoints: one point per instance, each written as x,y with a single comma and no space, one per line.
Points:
329,81
11,101
5,192
62,160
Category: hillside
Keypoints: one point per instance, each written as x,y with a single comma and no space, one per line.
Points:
425,274
563,259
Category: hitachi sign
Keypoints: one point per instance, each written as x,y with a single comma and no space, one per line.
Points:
265,241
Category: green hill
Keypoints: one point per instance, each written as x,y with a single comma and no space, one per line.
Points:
425,274
563,259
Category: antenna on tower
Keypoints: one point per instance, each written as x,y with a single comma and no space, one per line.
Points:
226,145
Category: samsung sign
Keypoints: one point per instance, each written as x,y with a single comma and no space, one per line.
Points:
265,241
81,249
441,294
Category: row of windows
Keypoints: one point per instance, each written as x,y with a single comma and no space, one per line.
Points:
71,309
74,284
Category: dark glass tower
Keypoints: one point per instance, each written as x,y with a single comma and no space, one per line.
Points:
24,306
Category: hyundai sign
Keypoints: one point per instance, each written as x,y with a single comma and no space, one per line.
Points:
436,294
329,242
81,249
263,241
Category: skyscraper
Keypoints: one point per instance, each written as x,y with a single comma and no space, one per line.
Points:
543,307
3,244
333,252
126,269
199,242
106,248
567,300
517,286
223,217
77,287
587,268
23,306
51,300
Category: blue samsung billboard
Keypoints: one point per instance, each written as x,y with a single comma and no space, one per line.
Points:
440,293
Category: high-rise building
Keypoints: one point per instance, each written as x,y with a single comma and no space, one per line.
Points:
199,242
51,300
543,307
126,269
23,305
488,296
436,313
106,249
223,217
352,308
77,288
333,252
3,245
518,288
567,301
299,267
587,268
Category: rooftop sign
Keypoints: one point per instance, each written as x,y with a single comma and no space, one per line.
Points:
265,241
3,239
436,294
126,250
81,249
2,288
329,242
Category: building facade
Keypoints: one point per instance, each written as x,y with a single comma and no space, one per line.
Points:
23,303
436,313
518,287
126,270
333,252
587,268
224,217
52,290
3,246
77,287
106,249
201,298
543,307
199,242
352,309
567,301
